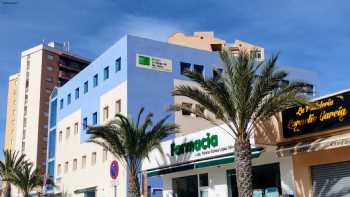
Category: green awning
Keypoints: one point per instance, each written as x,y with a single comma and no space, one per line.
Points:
216,161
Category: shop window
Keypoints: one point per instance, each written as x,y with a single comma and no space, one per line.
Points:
203,180
187,108
181,186
184,66
95,81
118,64
264,176
106,73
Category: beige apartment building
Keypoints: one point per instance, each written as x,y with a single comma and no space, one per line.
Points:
208,42
11,112
43,68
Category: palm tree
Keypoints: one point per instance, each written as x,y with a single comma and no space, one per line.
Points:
247,92
27,179
13,161
132,141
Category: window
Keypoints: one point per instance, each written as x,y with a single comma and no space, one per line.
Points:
95,80
66,167
49,80
118,64
67,132
106,73
60,136
49,68
75,164
217,72
105,113
203,180
85,123
61,104
184,66
23,147
83,161
199,109
94,118
93,158
187,107
49,57
198,68
86,87
76,128
104,154
59,169
69,99
76,93
118,106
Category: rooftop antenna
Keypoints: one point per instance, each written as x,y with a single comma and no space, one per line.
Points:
68,46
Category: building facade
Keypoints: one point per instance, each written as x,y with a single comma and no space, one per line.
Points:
43,67
133,73
314,142
11,112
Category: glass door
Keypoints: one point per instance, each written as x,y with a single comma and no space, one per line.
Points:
203,185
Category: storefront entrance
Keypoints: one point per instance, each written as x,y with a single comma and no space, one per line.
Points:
191,186
331,179
264,177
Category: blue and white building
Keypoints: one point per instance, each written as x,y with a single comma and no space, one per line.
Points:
135,72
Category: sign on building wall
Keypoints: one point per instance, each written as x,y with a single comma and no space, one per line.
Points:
204,144
324,114
154,63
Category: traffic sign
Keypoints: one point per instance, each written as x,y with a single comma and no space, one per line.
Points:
114,169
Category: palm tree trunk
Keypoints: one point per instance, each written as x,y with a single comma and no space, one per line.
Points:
133,186
7,189
243,168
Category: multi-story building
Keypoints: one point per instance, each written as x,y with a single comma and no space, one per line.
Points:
43,67
11,112
135,72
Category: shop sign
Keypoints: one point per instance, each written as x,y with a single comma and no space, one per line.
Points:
324,114
206,142
195,146
154,63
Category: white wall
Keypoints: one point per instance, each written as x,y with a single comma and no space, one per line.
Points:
31,139
69,149
287,175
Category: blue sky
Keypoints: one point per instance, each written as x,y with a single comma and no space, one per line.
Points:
313,34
